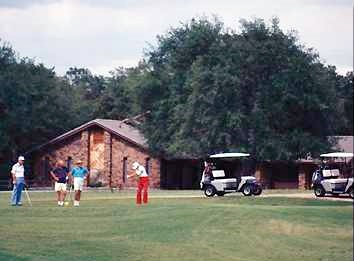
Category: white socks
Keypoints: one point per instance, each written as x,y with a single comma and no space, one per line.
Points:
76,203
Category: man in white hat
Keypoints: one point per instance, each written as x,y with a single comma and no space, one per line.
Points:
18,181
143,182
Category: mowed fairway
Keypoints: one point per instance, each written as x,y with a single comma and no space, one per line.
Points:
111,227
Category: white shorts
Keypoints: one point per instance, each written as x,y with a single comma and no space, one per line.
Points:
60,186
78,184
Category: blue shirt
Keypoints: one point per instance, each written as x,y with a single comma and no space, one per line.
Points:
79,172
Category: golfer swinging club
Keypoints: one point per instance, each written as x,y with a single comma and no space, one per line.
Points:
80,175
143,182
18,181
60,175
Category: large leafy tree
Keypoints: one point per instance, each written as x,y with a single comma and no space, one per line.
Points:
256,90
209,89
34,104
86,91
345,104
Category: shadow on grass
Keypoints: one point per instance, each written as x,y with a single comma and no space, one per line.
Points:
9,257
285,201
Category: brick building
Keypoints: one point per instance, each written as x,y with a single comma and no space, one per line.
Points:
298,174
107,147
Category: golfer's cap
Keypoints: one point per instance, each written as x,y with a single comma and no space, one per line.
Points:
79,161
21,158
135,165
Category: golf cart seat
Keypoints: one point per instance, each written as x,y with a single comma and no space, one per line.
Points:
218,173
330,173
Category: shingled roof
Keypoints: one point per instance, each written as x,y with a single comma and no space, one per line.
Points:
122,130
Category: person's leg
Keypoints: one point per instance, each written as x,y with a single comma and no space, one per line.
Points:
145,190
78,195
20,187
138,191
63,195
58,197
77,198
56,189
77,192
14,195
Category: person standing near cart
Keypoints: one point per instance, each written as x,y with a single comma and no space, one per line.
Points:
79,173
143,183
60,175
18,181
207,175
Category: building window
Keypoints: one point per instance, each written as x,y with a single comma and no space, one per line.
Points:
69,163
125,169
147,165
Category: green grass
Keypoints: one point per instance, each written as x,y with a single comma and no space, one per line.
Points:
111,227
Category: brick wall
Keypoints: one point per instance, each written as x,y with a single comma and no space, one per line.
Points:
121,150
107,159
77,147
305,175
263,175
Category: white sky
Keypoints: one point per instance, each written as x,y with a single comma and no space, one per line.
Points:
104,34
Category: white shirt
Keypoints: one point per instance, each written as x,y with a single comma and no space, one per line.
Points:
18,170
141,172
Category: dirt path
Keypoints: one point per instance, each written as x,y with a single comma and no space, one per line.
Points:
308,196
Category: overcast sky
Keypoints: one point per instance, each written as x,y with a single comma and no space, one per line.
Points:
104,34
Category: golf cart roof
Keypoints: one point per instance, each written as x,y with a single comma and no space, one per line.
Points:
229,155
337,155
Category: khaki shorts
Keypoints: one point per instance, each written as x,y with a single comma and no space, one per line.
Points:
78,184
60,186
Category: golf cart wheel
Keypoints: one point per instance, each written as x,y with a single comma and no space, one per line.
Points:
209,191
257,190
220,194
247,190
319,191
351,192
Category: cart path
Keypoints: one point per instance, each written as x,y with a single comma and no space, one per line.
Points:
308,196
304,195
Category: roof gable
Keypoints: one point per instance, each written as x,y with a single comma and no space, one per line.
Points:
118,128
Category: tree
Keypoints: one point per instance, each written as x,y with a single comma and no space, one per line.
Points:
345,104
35,104
258,91
87,90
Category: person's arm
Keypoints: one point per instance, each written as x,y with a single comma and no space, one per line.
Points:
131,175
86,177
13,175
134,174
71,179
53,176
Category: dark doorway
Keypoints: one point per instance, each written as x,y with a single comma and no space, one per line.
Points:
284,175
180,174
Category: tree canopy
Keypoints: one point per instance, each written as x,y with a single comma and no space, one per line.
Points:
209,88
257,90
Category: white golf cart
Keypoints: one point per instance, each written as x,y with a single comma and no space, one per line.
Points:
326,178
219,185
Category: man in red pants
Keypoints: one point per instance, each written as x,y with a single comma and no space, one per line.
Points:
143,183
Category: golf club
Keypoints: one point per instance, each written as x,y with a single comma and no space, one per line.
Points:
28,197
70,190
